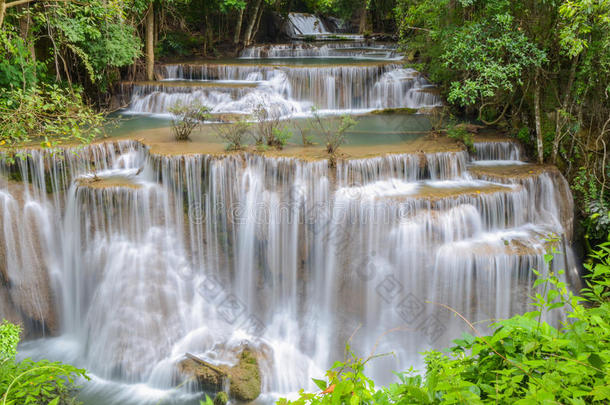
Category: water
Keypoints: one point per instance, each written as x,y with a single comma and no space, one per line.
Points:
120,260
290,79
302,24
144,262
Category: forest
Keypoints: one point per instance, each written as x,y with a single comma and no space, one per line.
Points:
535,73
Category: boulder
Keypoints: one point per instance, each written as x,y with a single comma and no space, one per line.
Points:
244,377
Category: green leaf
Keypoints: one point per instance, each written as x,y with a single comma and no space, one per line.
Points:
320,383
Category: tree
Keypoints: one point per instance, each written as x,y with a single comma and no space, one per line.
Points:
540,67
150,41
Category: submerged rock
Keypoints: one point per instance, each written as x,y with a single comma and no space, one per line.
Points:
244,377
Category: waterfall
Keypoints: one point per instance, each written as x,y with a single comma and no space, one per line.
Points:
302,24
291,90
289,78
499,150
337,50
134,259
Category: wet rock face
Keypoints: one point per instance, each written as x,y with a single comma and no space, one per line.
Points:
26,295
244,377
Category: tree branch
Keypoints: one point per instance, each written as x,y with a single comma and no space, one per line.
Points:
20,2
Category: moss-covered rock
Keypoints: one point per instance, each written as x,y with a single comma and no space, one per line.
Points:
244,377
404,110
209,379
221,398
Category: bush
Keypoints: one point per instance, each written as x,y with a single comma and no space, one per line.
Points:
234,134
29,382
461,134
49,114
333,132
187,118
524,361
269,128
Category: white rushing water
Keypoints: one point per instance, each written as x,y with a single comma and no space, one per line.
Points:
365,76
133,259
335,50
290,90
303,24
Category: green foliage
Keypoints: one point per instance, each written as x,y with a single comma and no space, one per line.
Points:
179,44
234,134
9,338
493,56
29,382
94,32
270,130
459,133
186,118
345,383
17,69
598,276
594,202
498,60
341,8
47,113
282,135
524,360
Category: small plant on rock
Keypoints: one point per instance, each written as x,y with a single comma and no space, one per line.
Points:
186,118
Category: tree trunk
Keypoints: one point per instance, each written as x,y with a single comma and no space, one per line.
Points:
564,106
539,140
24,31
251,23
150,42
363,16
2,11
258,23
240,18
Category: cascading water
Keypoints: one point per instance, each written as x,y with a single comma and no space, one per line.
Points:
292,90
337,50
143,258
302,24
334,77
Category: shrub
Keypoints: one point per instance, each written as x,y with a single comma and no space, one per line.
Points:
304,129
29,382
48,114
461,134
187,118
234,134
333,131
269,128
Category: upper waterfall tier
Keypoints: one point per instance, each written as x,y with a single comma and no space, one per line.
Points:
302,24
356,50
289,89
